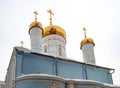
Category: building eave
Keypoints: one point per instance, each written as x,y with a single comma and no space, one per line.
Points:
60,58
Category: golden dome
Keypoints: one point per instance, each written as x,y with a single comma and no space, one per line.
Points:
87,41
35,24
52,29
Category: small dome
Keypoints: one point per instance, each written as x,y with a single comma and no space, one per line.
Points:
87,41
52,29
35,24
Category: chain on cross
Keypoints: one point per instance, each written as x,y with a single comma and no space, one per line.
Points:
85,32
51,13
36,13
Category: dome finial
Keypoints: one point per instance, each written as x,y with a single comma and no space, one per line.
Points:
51,13
86,40
36,13
85,32
22,43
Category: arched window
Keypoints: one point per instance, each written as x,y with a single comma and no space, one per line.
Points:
45,49
59,50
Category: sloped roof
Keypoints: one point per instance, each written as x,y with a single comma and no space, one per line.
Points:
61,58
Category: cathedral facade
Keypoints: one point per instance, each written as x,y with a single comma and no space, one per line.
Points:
46,64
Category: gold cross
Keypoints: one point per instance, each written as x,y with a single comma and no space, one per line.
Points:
36,13
22,43
85,32
51,13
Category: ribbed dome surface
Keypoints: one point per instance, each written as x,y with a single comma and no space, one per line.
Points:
86,41
35,24
53,29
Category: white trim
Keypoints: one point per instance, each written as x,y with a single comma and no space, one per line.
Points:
65,80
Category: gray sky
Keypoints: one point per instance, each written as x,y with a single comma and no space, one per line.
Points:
100,17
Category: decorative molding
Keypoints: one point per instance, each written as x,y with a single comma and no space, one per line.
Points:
55,37
53,86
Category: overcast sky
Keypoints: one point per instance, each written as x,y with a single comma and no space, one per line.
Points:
100,17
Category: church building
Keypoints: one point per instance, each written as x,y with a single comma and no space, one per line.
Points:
45,65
